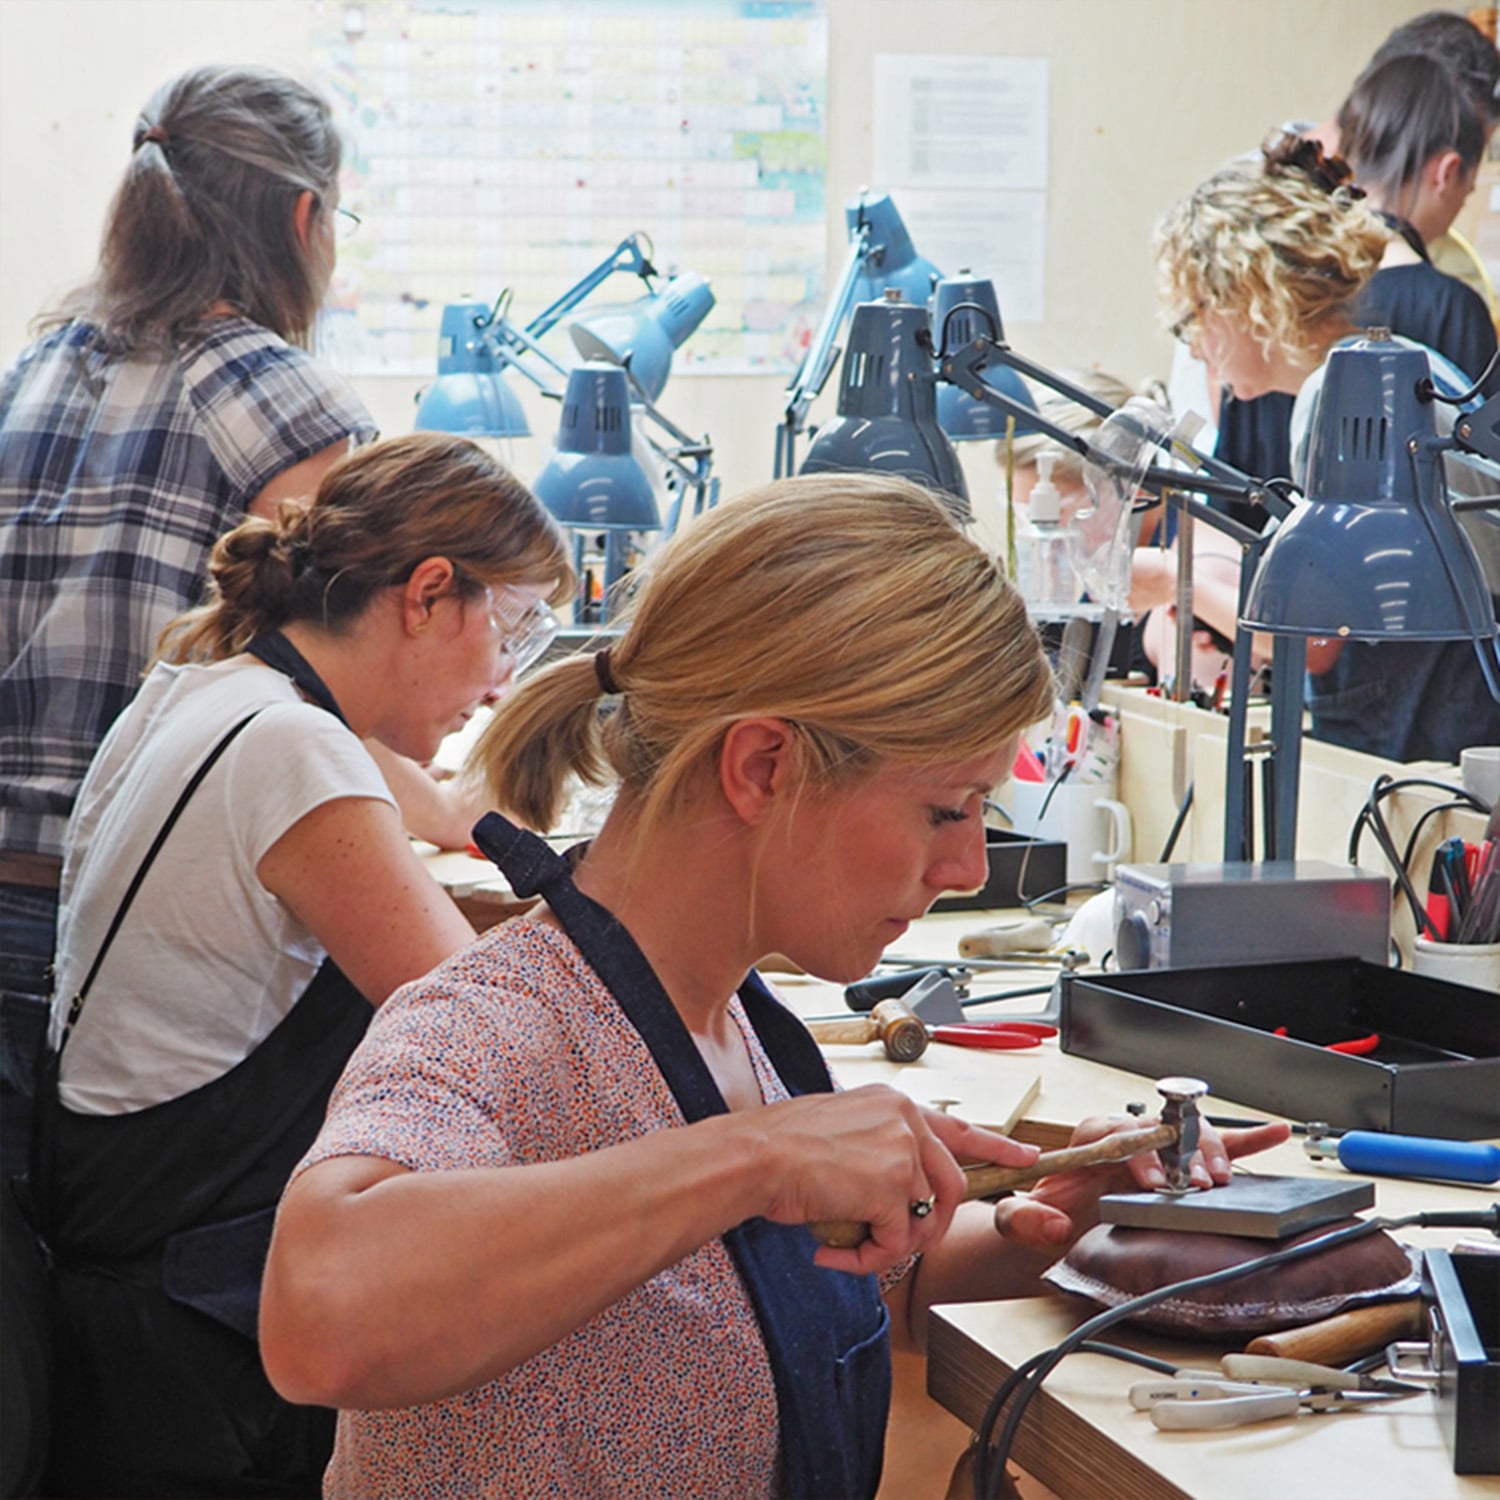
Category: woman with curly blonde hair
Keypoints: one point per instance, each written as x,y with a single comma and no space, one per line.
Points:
1260,270
1259,267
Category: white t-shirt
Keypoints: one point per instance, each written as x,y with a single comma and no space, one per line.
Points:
207,961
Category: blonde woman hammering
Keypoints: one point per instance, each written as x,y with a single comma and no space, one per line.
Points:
551,1240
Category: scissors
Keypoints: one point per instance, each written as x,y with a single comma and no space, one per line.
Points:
1267,1387
994,1035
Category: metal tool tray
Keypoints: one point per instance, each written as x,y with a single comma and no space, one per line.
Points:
1042,862
1462,1297
1436,1072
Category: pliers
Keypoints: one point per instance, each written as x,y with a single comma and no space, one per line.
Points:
1265,1387
995,1035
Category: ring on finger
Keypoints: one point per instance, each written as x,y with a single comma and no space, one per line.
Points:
922,1207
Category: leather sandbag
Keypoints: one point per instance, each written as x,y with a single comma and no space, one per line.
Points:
1112,1264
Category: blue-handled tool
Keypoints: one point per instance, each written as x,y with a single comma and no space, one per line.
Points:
1374,1152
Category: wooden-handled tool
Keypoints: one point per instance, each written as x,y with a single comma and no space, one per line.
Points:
984,1180
893,1023
1346,1336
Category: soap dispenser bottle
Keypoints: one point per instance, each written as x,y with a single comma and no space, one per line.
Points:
1044,572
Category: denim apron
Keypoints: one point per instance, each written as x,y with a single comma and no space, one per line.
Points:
158,1223
826,1332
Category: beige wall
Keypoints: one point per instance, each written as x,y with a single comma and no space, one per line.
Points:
1147,96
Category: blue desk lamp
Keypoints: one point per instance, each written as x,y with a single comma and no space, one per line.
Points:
642,335
963,307
880,255
1375,552
1389,564
887,412
594,484
470,395
479,344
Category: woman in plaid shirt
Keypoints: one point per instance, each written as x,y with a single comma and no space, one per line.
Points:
167,401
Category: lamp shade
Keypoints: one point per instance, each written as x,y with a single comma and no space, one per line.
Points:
593,479
964,308
887,411
644,333
892,259
1374,552
470,395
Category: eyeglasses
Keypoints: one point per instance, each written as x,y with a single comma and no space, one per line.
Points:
1182,329
526,625
345,222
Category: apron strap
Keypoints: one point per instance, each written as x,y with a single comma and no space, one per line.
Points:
75,1008
826,1333
273,648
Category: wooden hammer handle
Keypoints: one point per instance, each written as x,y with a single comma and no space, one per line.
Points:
855,1031
982,1180
1346,1336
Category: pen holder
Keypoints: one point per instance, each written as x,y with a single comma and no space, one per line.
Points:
1474,964
1084,815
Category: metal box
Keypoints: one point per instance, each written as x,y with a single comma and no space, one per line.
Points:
1435,1069
1187,915
1461,1294
1021,869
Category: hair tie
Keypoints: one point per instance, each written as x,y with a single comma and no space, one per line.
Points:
607,684
1302,154
154,134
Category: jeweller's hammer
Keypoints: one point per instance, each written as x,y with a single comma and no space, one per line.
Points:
1175,1138
893,1023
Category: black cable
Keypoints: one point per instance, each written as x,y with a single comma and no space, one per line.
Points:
1427,390
1026,1380
1177,822
1062,890
1408,853
1129,1356
1032,843
1371,817
1377,826
1022,994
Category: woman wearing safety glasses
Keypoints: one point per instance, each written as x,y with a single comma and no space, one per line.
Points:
223,993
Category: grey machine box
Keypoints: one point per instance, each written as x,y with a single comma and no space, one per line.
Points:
1187,915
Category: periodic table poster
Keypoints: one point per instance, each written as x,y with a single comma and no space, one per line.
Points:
512,144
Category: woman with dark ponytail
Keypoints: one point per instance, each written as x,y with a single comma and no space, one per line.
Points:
202,1020
170,397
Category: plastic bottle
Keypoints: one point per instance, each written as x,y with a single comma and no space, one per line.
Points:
1044,573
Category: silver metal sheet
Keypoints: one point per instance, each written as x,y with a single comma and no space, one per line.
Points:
1268,1208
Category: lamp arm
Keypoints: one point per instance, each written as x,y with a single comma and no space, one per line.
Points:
690,459
1470,590
510,343
975,355
962,368
1478,431
626,256
812,373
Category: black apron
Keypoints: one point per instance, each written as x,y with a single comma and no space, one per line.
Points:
158,1223
826,1333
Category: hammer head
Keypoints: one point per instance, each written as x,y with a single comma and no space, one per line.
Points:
1181,1096
902,1033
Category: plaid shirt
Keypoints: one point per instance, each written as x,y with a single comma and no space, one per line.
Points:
117,475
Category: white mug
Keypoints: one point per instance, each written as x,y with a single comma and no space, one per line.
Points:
1084,816
1476,964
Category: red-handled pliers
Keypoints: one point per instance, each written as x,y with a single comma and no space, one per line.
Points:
996,1035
